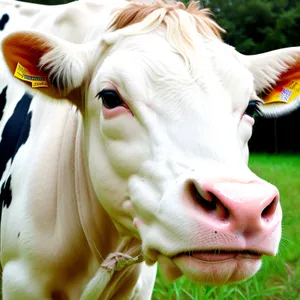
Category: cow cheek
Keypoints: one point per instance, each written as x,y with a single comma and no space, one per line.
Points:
126,144
126,158
111,163
108,186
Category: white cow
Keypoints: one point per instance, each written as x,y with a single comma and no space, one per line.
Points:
147,160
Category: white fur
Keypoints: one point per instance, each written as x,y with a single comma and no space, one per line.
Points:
267,67
66,64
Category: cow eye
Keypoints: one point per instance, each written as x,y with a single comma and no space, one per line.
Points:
110,98
252,109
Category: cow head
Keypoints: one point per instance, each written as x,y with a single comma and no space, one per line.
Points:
168,111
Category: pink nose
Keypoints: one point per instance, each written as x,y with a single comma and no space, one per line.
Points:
246,207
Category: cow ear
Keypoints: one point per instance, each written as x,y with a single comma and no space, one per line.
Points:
277,80
53,66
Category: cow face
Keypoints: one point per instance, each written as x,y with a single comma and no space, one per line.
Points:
166,132
176,149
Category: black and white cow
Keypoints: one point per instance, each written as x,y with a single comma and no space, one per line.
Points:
123,143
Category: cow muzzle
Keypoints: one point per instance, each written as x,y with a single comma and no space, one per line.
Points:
245,219
230,225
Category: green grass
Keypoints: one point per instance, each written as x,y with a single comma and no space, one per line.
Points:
279,278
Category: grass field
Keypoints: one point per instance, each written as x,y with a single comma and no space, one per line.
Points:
279,278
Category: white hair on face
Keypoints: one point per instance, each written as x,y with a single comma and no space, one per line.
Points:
65,63
183,26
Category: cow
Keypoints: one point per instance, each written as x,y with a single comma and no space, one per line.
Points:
123,140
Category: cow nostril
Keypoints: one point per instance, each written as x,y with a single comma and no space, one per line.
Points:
207,204
210,204
269,210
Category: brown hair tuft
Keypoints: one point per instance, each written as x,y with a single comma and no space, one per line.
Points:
136,12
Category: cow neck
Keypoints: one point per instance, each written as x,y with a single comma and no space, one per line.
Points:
97,225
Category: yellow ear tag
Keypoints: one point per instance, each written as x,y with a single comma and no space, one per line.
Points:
23,74
287,89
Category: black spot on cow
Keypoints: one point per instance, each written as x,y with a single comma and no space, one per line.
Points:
2,101
3,21
15,132
5,195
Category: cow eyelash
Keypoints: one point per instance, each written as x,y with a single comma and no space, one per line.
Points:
110,98
253,108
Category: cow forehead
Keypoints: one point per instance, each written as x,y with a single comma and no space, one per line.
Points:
148,60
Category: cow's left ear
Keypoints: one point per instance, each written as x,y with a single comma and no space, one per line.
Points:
53,66
277,80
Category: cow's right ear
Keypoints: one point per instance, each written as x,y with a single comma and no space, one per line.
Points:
54,66
277,80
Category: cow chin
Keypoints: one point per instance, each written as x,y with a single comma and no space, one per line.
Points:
210,273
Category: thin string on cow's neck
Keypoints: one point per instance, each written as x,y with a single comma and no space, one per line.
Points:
128,251
116,261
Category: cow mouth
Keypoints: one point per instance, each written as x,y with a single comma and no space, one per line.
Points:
213,267
218,256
